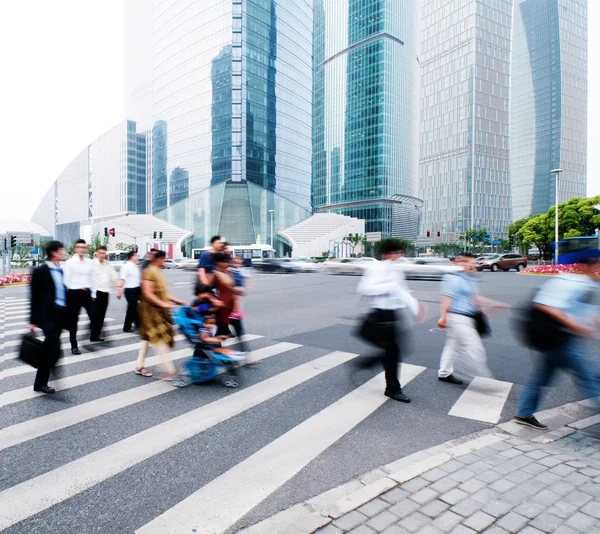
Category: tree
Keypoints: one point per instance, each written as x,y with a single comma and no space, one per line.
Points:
124,247
537,231
514,229
96,241
355,240
476,238
41,246
504,244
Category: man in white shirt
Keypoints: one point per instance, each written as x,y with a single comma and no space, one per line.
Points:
78,279
130,274
104,276
384,284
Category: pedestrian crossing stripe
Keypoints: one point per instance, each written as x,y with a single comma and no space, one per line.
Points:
483,400
18,321
49,489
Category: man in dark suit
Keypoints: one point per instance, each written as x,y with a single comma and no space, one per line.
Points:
48,305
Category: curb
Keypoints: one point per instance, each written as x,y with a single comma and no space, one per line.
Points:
315,513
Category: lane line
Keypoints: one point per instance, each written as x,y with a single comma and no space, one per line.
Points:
483,400
27,393
40,426
226,499
42,492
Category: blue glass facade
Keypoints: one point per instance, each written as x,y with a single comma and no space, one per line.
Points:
365,107
232,101
549,103
136,170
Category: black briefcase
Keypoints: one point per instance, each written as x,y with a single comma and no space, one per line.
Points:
32,350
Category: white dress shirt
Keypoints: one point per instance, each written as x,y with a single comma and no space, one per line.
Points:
386,286
78,273
104,275
131,275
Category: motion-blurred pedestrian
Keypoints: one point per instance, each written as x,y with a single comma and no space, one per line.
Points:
79,279
156,326
131,276
224,283
149,257
567,312
240,286
384,284
460,305
206,264
48,310
104,276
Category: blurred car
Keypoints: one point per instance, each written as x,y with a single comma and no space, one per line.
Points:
189,265
427,268
169,264
502,262
178,262
305,265
348,265
276,265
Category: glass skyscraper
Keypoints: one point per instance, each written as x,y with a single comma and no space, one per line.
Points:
464,168
365,110
231,102
549,103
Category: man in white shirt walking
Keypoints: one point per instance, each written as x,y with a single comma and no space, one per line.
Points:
131,276
384,284
104,276
78,279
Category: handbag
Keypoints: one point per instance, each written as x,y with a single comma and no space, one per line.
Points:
482,324
374,330
32,350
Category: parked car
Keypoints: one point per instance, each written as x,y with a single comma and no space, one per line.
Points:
502,262
276,265
189,265
427,268
348,265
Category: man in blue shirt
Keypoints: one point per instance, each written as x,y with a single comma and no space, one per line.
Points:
460,304
206,265
48,305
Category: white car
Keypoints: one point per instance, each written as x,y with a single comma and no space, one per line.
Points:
427,268
189,265
348,265
178,262
305,265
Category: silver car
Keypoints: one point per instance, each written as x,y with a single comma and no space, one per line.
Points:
427,268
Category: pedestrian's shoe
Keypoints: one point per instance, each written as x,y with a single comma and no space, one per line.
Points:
530,421
397,396
45,389
128,330
75,351
451,379
97,339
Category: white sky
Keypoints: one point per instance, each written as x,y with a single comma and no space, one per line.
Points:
62,65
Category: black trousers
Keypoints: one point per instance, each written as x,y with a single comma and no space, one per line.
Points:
98,314
77,299
132,296
238,328
391,349
52,352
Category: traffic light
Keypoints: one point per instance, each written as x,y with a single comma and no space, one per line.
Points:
513,241
105,231
160,236
112,232
154,235
439,232
13,241
428,233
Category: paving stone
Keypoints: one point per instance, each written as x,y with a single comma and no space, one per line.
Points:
515,496
451,466
471,486
495,460
479,521
462,475
468,458
564,529
518,477
563,509
444,485
511,453
424,496
548,478
489,476
330,529
498,508
532,486
502,485
395,529
414,522
396,495
373,507
535,468
495,530
479,467
578,498
362,529
577,479
350,520
404,508
581,522
577,464
550,461
447,521
454,496
547,522
415,484
434,508
531,530
590,472
536,454
562,470
501,446
546,498
434,475
506,468
381,521
522,461
562,488
591,488
430,529
530,509
461,529
467,507
593,509
512,522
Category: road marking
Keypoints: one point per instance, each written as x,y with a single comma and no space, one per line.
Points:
80,332
40,426
226,499
27,393
483,400
42,492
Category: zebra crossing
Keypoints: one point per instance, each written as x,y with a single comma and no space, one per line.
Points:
238,448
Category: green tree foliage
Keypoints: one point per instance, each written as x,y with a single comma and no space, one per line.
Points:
447,249
124,247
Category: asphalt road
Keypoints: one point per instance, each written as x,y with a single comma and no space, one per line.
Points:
111,452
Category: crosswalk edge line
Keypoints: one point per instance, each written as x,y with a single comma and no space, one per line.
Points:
483,400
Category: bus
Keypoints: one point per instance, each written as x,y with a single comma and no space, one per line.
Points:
576,249
247,252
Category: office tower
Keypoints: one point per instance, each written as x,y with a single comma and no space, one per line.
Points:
365,119
549,103
464,168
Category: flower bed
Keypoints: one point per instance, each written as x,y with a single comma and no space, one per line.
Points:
10,279
555,269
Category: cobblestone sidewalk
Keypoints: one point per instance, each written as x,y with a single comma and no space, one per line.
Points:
513,485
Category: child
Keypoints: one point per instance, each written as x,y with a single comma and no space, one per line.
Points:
239,276
213,343
205,300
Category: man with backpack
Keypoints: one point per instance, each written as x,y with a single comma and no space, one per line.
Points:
563,314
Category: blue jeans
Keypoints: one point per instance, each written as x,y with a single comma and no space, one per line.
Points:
568,357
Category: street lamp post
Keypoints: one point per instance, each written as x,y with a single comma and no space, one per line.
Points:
556,173
272,212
